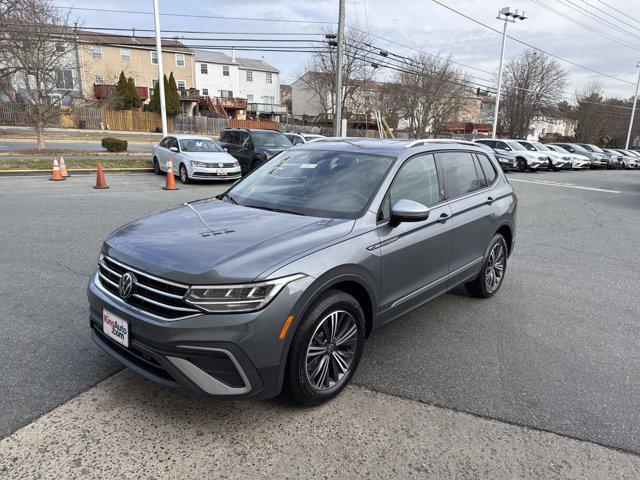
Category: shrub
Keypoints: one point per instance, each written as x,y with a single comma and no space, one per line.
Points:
114,144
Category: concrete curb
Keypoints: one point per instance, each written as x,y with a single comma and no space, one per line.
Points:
79,171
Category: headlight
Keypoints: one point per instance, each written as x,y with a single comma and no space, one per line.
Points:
237,298
194,163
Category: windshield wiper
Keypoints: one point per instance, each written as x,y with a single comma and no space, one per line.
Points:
278,210
226,195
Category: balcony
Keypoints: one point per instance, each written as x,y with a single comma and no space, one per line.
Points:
189,95
102,91
266,108
232,103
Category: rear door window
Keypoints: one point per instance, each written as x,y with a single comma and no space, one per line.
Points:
459,174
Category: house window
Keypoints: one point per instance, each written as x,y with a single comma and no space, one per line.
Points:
249,76
269,77
154,57
204,68
154,83
125,55
226,93
60,48
205,92
268,99
98,80
96,51
249,98
64,78
179,59
181,85
225,70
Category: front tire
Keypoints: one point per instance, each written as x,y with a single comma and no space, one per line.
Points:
494,267
326,349
156,166
184,175
521,165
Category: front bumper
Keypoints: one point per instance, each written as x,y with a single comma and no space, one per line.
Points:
206,173
226,355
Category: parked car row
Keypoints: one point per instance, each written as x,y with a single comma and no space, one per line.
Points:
241,150
533,156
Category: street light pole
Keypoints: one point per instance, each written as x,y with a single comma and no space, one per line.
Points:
337,117
506,15
163,103
633,111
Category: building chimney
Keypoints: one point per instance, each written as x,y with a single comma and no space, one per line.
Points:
233,55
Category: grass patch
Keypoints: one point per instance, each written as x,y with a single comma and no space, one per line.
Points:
73,162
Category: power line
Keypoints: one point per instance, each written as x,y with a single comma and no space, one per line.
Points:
609,15
248,19
577,8
619,11
468,17
586,26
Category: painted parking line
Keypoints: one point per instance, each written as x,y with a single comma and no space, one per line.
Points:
565,185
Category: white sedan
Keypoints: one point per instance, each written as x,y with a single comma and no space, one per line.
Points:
578,162
194,158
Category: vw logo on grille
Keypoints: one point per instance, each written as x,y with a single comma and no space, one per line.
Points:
127,282
221,164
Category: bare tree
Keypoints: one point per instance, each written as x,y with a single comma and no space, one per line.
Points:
432,92
532,82
37,44
318,75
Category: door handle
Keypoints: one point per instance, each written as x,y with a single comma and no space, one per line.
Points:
489,200
443,218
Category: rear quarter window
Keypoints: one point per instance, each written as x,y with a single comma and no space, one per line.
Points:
487,168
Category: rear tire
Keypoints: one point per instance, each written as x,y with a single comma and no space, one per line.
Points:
325,350
494,268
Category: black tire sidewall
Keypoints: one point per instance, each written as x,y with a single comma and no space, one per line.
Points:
186,174
478,286
296,382
156,167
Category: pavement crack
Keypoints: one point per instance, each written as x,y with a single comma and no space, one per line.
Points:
75,272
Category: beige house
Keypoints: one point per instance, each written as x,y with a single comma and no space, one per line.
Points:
103,56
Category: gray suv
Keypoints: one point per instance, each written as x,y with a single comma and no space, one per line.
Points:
274,285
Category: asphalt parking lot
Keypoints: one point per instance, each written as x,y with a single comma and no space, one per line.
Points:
558,349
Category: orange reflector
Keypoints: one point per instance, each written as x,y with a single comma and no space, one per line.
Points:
285,327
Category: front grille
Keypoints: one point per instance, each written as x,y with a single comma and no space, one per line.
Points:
218,165
150,294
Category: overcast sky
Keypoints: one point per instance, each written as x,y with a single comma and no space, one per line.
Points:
421,24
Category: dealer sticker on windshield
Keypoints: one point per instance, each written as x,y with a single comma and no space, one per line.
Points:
115,327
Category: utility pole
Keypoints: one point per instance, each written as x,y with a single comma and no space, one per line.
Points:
337,117
506,15
633,112
163,103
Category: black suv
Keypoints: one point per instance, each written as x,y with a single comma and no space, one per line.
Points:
253,147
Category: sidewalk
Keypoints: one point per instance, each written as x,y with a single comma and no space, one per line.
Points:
127,427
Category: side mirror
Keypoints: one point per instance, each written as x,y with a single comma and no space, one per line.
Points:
507,148
174,149
408,211
225,149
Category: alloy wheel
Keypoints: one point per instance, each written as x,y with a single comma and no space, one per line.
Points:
331,350
494,270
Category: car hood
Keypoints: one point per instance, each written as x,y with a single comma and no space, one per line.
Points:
208,156
215,242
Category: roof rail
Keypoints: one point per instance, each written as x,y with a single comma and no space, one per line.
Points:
419,141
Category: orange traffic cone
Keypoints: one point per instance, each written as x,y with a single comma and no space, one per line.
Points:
63,168
101,183
56,176
171,182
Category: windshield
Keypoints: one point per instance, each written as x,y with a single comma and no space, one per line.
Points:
541,146
592,148
199,145
270,140
579,148
517,146
528,146
318,183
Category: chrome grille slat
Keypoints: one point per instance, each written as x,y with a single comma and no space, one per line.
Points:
152,295
164,305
